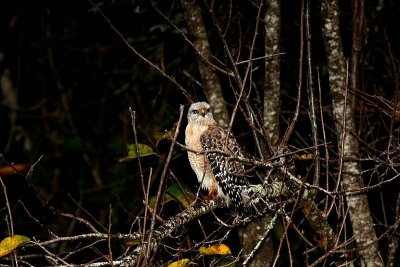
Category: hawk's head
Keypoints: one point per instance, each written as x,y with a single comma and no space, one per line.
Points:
200,112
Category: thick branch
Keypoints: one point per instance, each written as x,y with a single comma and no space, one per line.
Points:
170,226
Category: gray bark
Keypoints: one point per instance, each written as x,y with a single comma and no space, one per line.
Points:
211,86
350,175
272,71
253,232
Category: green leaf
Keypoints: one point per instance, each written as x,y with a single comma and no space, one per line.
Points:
141,149
226,261
174,192
167,134
9,244
185,197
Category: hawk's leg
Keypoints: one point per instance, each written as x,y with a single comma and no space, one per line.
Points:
212,195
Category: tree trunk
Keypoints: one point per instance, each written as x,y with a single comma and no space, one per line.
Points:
350,174
272,95
211,86
254,231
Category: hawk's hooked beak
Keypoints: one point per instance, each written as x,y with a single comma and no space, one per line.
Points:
203,111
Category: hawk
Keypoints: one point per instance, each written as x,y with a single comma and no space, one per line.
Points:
212,151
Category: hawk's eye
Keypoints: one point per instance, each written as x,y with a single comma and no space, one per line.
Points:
194,111
208,110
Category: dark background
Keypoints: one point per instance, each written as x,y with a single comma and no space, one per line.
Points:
75,79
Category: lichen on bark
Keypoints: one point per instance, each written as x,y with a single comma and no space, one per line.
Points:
348,146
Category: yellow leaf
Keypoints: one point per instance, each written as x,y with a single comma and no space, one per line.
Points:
303,156
9,244
217,249
141,149
307,156
180,263
134,242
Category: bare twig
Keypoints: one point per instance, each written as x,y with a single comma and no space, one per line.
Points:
160,192
110,257
290,129
311,97
137,53
142,182
9,220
